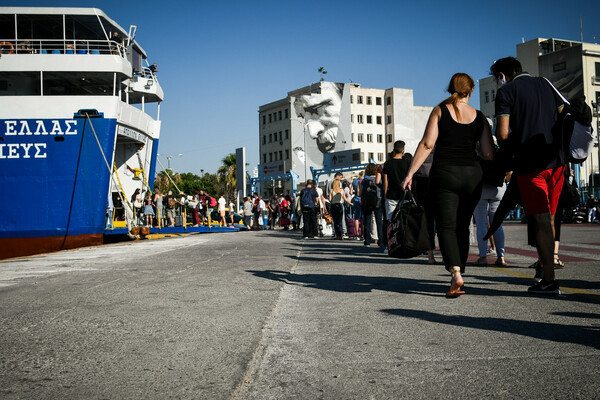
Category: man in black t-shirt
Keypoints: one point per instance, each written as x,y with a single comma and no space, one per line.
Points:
394,172
529,107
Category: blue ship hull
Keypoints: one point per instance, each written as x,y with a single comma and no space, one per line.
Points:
55,183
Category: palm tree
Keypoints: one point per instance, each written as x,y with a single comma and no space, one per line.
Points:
226,173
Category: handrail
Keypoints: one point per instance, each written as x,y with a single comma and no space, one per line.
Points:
68,46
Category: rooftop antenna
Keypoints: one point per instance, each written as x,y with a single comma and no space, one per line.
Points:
581,26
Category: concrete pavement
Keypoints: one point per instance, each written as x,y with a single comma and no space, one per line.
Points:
267,315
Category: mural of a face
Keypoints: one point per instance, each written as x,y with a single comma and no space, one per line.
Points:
321,112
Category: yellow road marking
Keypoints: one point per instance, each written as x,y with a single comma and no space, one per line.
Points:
562,288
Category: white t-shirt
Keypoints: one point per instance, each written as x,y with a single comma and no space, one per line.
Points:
262,205
320,193
231,207
222,203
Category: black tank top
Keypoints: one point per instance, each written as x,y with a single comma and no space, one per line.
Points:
456,142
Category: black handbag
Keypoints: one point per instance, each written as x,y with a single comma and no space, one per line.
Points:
407,230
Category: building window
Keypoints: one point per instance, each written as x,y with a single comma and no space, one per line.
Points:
369,119
264,158
281,154
351,99
359,99
264,139
379,120
270,118
275,156
270,138
487,97
361,137
270,157
389,138
378,101
597,76
287,115
369,138
493,95
287,134
352,135
279,115
388,100
369,102
370,156
380,157
287,154
359,119
379,138
362,156
388,119
559,67
280,136
264,119
351,117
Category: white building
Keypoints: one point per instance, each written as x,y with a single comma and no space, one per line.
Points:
573,67
326,117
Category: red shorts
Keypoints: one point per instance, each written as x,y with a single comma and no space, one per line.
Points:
540,191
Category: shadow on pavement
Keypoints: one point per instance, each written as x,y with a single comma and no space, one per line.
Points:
561,333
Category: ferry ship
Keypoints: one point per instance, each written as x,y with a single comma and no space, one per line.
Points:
76,94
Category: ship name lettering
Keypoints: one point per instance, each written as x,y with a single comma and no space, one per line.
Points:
12,150
22,127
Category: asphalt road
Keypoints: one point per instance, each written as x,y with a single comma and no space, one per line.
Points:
267,315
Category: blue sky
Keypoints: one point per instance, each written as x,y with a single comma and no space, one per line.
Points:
219,61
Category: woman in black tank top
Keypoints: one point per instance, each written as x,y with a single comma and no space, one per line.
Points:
454,129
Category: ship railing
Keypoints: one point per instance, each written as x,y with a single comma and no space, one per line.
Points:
54,46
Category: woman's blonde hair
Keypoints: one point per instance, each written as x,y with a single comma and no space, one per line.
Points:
336,187
460,87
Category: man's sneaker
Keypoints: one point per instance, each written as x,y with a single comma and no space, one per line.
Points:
535,265
491,252
385,251
305,237
547,288
539,274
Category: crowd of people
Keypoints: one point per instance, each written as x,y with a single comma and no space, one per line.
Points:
168,210
460,172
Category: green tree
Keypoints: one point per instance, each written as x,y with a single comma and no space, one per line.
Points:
226,174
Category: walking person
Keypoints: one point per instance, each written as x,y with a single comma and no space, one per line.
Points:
337,199
370,195
494,187
308,201
529,107
454,128
222,207
148,209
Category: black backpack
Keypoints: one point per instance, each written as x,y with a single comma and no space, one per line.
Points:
307,199
369,195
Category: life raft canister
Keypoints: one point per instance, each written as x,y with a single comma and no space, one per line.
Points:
7,48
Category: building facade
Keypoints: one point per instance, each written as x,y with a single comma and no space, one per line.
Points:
325,117
573,67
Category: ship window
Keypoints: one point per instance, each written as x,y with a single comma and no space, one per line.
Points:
78,83
83,27
31,26
19,83
7,27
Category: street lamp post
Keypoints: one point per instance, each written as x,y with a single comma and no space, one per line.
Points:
168,157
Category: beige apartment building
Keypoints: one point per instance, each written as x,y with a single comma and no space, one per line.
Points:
573,67
325,117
